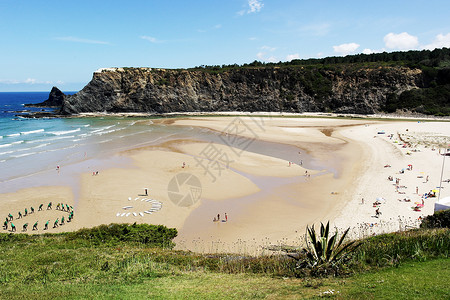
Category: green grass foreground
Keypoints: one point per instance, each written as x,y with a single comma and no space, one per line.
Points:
134,262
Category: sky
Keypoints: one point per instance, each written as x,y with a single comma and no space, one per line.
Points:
61,43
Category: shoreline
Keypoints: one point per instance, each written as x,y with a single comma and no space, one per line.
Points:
252,211
383,116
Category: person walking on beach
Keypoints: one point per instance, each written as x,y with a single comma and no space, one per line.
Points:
146,192
13,227
5,225
24,227
35,226
226,217
26,212
46,225
58,206
10,217
417,190
62,220
218,217
40,207
32,210
49,206
20,215
56,223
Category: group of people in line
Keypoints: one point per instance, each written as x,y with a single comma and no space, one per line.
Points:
217,219
60,206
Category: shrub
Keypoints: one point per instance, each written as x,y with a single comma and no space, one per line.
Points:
440,219
153,235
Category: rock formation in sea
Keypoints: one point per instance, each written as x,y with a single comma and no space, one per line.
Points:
280,89
55,99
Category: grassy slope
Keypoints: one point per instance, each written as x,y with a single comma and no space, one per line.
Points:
410,281
57,266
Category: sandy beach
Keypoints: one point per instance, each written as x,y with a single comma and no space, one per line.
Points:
271,176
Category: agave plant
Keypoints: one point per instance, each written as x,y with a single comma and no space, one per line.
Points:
324,253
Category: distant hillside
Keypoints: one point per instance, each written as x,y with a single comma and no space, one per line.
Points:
415,81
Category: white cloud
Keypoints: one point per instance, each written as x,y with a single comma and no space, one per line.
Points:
254,6
26,81
260,55
345,49
401,41
440,41
267,48
150,39
371,51
292,56
80,40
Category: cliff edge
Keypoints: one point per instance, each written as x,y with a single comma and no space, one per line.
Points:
285,89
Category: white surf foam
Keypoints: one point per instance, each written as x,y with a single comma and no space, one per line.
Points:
25,154
64,132
32,131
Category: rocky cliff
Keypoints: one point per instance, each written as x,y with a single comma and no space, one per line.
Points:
286,89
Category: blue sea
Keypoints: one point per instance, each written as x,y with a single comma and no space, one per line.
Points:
30,148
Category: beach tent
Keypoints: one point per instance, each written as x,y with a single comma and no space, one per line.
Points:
443,204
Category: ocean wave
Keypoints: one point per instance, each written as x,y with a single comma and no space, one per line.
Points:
22,155
50,139
105,141
64,148
5,145
41,145
108,131
64,132
2,161
32,131
13,134
102,128
6,152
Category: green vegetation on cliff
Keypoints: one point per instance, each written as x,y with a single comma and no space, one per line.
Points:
432,97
